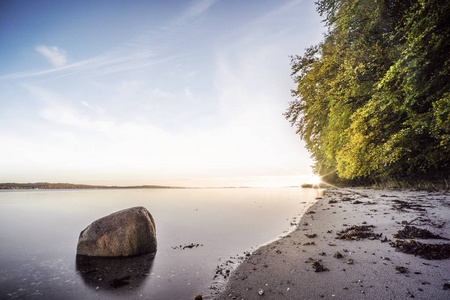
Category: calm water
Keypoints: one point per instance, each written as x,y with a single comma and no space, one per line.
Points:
39,232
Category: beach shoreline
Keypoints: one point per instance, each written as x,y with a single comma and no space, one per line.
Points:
370,266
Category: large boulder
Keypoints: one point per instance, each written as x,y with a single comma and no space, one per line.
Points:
127,232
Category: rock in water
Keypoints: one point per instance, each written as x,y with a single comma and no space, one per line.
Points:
127,232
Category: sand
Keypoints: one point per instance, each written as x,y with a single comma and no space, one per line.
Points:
284,269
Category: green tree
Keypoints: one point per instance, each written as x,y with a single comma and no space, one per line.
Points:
372,99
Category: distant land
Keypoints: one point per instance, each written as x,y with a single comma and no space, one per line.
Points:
68,186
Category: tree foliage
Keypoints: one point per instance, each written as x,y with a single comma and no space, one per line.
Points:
373,98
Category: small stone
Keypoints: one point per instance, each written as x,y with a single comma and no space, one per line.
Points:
261,292
401,269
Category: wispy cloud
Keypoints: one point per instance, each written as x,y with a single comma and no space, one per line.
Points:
58,111
194,11
198,8
107,63
94,62
142,52
275,14
56,56
92,107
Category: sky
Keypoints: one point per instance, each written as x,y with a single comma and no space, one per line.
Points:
184,93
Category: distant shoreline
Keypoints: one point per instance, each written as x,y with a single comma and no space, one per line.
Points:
70,186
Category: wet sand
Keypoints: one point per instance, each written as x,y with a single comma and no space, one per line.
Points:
370,267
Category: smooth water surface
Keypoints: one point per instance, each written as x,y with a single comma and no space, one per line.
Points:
39,232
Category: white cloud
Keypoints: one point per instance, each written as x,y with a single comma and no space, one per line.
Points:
56,56
252,77
188,93
58,111
131,87
162,94
63,115
86,104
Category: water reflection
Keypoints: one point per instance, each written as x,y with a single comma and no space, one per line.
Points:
111,274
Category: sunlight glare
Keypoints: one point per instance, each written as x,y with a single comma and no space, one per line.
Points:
316,180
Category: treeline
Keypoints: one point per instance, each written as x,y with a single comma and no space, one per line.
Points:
373,98
61,186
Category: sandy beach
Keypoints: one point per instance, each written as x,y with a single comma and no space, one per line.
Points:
345,248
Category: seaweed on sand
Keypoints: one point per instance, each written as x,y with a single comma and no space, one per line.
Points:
338,255
358,232
318,267
427,251
402,205
311,236
411,232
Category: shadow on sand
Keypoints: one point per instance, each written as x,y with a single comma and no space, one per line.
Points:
113,274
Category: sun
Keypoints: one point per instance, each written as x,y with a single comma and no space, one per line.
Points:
316,180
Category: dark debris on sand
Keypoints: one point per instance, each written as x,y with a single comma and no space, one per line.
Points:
412,232
427,251
318,267
311,236
187,246
358,233
401,205
401,269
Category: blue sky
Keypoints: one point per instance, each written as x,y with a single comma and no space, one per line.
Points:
152,92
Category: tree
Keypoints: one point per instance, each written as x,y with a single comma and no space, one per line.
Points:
372,99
